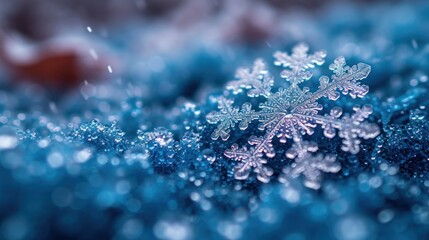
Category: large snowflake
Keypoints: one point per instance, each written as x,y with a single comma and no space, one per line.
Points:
291,113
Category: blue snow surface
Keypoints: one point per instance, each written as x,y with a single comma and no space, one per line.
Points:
132,158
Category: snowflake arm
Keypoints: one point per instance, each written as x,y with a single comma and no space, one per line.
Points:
308,164
355,128
298,63
311,167
263,144
228,116
345,78
257,82
350,128
249,159
253,157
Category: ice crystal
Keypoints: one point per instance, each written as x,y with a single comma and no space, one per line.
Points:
292,113
161,146
103,137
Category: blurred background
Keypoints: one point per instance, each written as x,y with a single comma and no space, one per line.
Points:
62,44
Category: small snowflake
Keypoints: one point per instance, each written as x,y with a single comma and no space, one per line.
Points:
291,113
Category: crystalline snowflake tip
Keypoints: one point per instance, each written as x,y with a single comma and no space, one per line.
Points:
257,80
298,63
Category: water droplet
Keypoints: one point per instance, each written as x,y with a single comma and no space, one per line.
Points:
88,90
83,155
55,160
93,53
417,115
172,230
8,138
209,155
385,216
132,229
62,197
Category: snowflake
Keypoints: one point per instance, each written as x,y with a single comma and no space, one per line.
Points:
292,113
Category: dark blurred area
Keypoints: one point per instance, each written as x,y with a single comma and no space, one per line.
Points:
43,19
47,42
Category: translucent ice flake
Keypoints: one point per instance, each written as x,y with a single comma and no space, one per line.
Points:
291,113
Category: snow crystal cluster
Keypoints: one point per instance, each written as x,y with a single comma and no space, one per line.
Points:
292,113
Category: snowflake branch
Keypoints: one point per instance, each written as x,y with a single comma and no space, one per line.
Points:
298,63
350,127
248,159
344,79
258,81
307,164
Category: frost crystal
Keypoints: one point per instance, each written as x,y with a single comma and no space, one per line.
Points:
292,113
